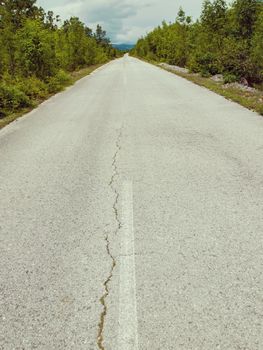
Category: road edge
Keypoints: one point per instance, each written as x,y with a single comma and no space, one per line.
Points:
76,77
233,95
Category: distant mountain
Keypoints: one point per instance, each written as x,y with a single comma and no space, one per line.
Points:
124,47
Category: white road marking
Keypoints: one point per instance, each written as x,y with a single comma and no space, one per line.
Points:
128,326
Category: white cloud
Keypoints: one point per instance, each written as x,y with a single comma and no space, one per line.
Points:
124,20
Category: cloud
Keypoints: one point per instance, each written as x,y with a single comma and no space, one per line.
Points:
124,20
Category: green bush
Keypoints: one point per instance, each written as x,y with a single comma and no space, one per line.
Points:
11,99
205,73
230,78
58,82
101,57
204,63
228,37
33,87
260,110
193,66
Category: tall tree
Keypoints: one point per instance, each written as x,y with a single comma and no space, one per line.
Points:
226,39
101,36
245,14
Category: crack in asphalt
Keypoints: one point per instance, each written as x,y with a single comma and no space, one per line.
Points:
103,315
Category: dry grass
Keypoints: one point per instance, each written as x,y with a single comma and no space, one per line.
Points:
84,72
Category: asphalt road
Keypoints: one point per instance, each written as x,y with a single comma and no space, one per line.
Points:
132,218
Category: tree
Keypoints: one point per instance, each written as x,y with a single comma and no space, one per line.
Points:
245,14
257,48
36,50
19,10
213,16
181,18
51,21
101,36
226,39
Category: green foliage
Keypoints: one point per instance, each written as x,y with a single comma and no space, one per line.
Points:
245,13
230,78
101,57
11,99
37,52
227,39
58,82
101,36
32,87
260,111
257,49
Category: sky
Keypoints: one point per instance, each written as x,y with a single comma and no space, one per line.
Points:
124,20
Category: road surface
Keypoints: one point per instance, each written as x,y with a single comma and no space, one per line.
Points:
132,218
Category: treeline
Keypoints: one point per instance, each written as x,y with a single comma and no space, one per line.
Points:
37,51
225,40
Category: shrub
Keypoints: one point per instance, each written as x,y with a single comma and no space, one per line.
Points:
101,57
11,99
33,87
230,78
260,110
205,73
59,81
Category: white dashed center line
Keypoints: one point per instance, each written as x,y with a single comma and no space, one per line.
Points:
128,327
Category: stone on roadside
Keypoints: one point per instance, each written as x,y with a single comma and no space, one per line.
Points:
217,78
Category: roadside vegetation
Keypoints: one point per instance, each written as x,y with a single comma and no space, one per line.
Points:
227,40
40,55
